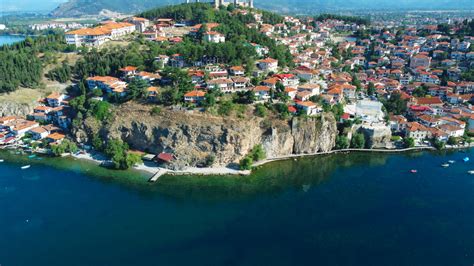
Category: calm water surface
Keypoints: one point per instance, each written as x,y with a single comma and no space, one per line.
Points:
357,209
9,39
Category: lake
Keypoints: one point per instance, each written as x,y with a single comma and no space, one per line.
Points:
10,39
345,209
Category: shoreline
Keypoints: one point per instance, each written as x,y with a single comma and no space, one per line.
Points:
156,171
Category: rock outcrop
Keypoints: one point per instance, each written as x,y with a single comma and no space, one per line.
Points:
377,136
18,109
193,136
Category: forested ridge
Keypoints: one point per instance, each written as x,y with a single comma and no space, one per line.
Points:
21,65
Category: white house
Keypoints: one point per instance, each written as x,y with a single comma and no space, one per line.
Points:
268,64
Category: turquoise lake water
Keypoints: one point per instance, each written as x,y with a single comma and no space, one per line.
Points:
9,39
355,209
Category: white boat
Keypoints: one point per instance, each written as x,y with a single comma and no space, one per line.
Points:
451,161
25,167
1,160
445,165
471,172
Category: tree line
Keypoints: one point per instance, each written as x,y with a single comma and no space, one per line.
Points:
21,64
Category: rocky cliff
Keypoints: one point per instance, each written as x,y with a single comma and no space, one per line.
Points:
193,136
18,109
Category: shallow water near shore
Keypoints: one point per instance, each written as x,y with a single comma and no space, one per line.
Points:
343,209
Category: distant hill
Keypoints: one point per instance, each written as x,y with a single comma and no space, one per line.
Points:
75,8
92,7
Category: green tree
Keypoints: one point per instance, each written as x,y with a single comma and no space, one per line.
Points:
246,163
371,89
137,88
452,141
395,104
258,153
260,110
66,146
358,141
342,142
409,143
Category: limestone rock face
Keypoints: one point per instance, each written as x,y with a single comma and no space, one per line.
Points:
193,136
376,136
17,109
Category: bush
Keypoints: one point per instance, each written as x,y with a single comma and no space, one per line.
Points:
246,163
210,159
117,151
66,146
260,110
258,153
342,142
225,108
439,145
155,110
395,138
409,143
452,141
358,141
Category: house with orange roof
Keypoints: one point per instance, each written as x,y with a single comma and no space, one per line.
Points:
416,131
20,126
270,82
148,76
397,123
195,96
222,84
268,64
55,99
152,92
99,35
107,84
308,107
262,92
236,71
240,83
55,138
128,71
291,92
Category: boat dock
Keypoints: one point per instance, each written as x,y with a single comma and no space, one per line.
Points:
157,175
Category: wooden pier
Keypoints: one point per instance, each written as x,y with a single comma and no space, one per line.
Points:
157,175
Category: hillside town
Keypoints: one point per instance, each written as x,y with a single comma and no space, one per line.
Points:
403,85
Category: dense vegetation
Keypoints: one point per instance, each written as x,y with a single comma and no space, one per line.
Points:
21,64
238,36
357,20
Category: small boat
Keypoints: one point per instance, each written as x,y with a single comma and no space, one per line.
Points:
25,167
32,156
413,171
451,161
466,159
1,160
445,165
471,172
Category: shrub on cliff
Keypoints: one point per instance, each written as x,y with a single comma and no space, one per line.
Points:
258,153
342,142
246,163
358,141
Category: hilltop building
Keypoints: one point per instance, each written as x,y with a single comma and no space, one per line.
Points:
218,3
99,35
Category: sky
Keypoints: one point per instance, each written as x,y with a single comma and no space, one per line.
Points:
48,5
29,5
